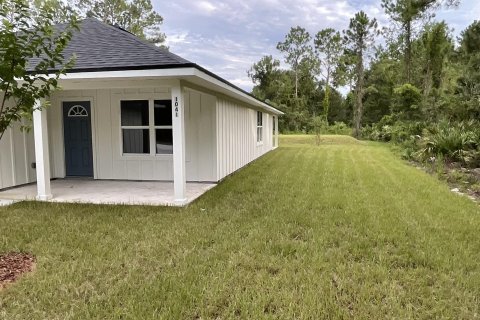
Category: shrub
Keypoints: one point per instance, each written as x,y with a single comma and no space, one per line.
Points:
318,125
453,141
339,128
390,129
410,147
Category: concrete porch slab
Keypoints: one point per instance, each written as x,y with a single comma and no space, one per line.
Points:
5,203
153,193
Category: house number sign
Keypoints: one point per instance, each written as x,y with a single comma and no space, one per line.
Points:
176,107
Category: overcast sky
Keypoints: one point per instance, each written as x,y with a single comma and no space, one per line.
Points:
227,37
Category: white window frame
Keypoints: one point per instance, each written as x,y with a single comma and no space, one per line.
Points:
151,128
259,128
274,126
152,123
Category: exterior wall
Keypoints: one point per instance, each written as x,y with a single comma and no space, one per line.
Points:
17,153
110,163
221,137
237,136
200,136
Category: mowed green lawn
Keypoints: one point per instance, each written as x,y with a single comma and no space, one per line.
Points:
344,230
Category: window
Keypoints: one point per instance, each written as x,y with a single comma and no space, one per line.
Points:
78,111
163,126
135,127
259,127
146,127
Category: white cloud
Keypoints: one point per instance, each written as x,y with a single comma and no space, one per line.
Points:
228,36
175,38
205,7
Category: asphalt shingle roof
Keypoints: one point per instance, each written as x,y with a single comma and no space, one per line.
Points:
102,47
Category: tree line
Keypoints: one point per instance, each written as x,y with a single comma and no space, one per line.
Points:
136,16
412,70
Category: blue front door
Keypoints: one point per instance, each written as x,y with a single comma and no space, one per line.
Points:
77,130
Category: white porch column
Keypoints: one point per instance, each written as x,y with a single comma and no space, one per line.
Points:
178,128
41,153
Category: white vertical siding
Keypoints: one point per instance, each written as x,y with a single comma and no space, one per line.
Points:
237,136
220,138
109,163
17,153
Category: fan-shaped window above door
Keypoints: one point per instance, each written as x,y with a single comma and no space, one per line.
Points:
77,111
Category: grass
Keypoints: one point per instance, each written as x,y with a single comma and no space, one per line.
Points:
343,230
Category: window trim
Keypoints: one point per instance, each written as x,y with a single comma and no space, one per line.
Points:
274,132
154,132
151,128
261,126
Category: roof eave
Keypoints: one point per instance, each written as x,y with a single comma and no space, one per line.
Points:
200,73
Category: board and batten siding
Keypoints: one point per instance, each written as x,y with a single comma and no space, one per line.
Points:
237,136
110,163
17,153
220,136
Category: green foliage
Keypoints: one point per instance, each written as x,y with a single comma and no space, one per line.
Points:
404,14
328,47
467,91
442,141
388,129
27,38
407,99
453,141
319,123
266,76
438,45
381,79
61,11
357,39
277,86
339,128
296,48
470,39
135,16
444,79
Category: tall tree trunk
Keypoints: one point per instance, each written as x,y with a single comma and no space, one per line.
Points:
358,113
427,83
296,84
408,51
326,99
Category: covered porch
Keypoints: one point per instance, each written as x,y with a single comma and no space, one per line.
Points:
48,136
79,190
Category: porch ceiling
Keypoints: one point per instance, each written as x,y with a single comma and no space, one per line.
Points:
109,192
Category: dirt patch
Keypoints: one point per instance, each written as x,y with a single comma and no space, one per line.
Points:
13,265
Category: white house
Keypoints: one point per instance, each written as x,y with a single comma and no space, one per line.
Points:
129,110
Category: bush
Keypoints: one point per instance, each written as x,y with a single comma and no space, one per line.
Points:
454,141
339,128
389,129
318,125
410,147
